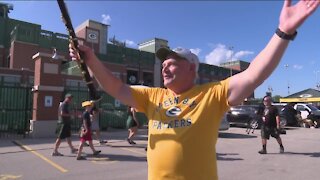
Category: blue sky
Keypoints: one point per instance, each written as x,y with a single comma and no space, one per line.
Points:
215,30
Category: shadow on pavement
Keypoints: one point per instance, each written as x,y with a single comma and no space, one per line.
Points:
108,157
30,141
129,146
141,138
235,135
117,157
24,151
226,157
312,154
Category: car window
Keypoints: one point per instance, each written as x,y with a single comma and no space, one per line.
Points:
313,108
300,108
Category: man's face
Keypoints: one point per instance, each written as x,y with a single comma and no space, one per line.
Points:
267,101
89,107
69,99
176,71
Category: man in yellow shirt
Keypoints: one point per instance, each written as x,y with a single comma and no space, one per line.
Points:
184,118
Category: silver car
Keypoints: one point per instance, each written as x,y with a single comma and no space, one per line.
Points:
224,125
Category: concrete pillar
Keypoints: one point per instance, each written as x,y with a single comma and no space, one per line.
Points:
153,46
48,89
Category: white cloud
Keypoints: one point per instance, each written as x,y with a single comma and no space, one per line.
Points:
221,53
241,54
297,66
106,19
131,44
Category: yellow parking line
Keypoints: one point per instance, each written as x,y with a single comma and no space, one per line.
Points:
103,161
9,176
42,157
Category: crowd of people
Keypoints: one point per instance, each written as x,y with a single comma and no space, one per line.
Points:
89,127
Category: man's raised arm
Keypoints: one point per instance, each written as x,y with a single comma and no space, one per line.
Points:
111,84
291,17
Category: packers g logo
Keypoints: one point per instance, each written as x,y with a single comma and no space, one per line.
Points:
173,111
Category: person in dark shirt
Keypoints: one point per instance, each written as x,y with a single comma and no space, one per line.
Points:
290,113
186,149
85,134
270,125
63,129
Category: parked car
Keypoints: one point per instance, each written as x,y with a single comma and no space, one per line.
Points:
283,115
309,111
243,115
302,115
224,124
249,116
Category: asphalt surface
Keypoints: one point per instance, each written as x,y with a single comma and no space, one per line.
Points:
237,154
31,159
238,157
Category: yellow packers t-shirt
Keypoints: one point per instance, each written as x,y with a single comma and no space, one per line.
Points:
183,130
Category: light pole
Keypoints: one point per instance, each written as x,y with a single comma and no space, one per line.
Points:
269,92
287,66
230,62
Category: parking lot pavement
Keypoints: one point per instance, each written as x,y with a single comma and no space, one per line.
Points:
31,159
237,155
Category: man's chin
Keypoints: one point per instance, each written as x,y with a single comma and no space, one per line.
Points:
167,84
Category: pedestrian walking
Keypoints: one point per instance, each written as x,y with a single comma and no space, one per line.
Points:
132,124
94,114
63,129
184,117
270,125
85,132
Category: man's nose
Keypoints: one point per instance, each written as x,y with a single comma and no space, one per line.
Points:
164,68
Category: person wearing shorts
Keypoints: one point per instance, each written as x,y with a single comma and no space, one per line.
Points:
85,134
132,124
94,114
63,129
270,125
184,117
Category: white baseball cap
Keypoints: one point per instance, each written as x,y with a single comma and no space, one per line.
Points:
183,53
